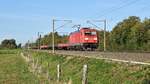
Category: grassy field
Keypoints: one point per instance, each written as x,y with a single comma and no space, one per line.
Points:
99,71
13,69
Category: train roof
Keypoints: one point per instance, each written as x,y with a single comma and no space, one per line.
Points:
83,28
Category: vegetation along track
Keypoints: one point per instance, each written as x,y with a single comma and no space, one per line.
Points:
139,57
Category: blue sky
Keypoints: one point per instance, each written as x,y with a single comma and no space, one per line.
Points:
22,19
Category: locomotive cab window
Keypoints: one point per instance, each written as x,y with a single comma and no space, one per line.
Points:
93,33
90,33
87,33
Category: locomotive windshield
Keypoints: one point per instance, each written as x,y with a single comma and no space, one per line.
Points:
93,33
90,33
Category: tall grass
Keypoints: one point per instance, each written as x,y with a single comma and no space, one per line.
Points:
14,70
99,71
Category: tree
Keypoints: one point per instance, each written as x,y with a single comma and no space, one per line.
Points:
121,35
146,23
9,44
101,40
47,39
131,34
19,45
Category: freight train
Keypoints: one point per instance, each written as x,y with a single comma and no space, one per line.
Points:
83,39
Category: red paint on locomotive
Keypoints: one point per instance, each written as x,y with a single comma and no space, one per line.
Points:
82,39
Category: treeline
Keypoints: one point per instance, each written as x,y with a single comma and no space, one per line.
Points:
9,44
131,34
47,40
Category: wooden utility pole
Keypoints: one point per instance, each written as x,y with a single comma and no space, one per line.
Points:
53,36
39,40
28,44
54,29
104,35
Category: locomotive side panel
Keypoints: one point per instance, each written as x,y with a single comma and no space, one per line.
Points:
83,39
74,38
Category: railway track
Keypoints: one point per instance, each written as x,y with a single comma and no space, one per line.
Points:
137,57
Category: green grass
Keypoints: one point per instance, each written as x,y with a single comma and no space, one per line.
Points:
99,71
14,70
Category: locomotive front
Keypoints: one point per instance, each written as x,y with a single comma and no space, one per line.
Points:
89,38
84,39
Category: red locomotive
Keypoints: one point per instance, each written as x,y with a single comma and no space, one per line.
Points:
83,39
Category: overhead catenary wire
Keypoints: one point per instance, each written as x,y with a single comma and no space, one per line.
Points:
123,4
63,24
118,8
114,6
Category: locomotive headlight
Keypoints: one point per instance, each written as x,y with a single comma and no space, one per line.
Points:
86,38
95,38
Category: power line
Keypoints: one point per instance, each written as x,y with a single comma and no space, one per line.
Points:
118,8
146,5
113,7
